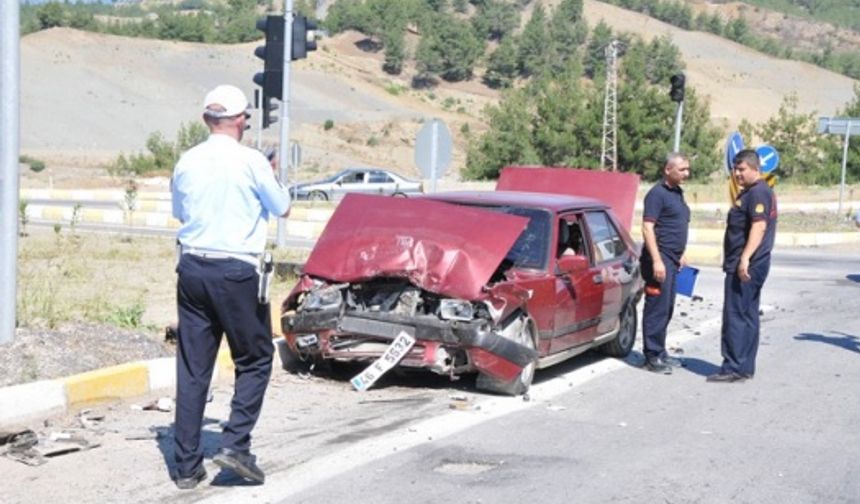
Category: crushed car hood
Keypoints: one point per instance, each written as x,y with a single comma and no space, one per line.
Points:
618,190
447,249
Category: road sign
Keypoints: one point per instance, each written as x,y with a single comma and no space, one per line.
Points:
768,157
838,125
433,148
848,127
734,144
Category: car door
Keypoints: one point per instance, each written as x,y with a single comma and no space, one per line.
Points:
613,264
379,182
351,181
578,294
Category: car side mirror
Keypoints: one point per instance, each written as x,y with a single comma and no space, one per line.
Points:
339,182
572,263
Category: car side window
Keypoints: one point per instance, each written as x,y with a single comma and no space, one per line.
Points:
570,240
353,178
378,177
606,243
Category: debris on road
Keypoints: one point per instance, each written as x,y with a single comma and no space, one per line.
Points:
29,448
161,404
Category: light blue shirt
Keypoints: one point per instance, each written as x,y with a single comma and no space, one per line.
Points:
223,194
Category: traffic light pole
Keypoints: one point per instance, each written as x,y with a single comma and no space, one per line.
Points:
284,146
678,119
10,70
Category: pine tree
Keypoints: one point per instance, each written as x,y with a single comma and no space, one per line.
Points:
502,65
534,42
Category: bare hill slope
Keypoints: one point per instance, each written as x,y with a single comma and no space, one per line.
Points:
87,96
740,82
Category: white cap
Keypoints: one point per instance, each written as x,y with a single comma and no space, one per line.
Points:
231,98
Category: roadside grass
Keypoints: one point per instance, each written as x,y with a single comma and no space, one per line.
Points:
120,280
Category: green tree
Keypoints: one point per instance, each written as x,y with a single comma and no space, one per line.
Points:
595,53
568,31
507,141
502,65
534,42
495,19
395,50
50,15
449,50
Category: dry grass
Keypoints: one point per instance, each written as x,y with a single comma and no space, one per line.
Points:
122,280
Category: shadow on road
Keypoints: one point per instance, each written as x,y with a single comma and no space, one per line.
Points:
700,367
853,278
842,340
211,441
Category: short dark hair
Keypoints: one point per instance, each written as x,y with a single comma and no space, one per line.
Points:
748,156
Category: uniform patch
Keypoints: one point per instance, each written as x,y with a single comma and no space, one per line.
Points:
759,208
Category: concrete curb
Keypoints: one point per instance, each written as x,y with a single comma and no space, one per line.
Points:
23,402
19,403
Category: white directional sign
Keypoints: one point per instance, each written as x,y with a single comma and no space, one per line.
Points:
839,125
433,150
848,127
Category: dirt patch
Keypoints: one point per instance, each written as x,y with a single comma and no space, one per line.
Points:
75,347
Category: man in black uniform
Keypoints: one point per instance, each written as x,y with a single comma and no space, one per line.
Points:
665,220
750,232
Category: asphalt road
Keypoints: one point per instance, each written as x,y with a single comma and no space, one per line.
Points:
593,430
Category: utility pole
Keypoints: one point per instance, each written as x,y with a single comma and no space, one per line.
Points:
10,84
609,149
284,145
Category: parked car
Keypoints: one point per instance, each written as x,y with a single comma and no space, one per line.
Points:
357,180
494,282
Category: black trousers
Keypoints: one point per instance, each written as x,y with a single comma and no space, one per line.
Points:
217,296
658,310
740,333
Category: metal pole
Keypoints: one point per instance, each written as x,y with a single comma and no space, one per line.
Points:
678,118
434,157
284,147
258,106
10,83
844,163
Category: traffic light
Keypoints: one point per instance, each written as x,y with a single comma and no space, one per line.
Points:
677,91
271,79
268,110
304,39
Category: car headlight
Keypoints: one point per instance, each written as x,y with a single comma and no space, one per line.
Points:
456,309
323,299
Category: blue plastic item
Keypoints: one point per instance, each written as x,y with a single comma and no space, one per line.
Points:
685,281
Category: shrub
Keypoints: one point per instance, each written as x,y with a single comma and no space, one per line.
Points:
329,124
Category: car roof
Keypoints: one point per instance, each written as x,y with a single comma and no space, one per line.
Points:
553,202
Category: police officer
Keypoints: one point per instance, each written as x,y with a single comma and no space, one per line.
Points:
665,220
748,241
223,195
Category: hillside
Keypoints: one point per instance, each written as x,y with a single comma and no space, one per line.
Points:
87,96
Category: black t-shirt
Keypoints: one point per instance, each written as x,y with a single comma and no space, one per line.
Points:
666,208
758,202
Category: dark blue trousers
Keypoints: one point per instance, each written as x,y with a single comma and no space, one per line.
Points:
658,310
217,296
740,334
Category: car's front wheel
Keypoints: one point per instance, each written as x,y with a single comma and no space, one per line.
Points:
521,383
317,196
623,342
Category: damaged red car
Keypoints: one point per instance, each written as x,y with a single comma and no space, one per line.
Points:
495,282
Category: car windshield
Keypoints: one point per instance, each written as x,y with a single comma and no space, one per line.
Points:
530,249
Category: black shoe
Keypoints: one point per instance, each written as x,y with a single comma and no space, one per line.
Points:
240,463
191,481
658,365
724,377
672,361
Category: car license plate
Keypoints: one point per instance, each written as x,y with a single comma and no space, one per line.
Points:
392,355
